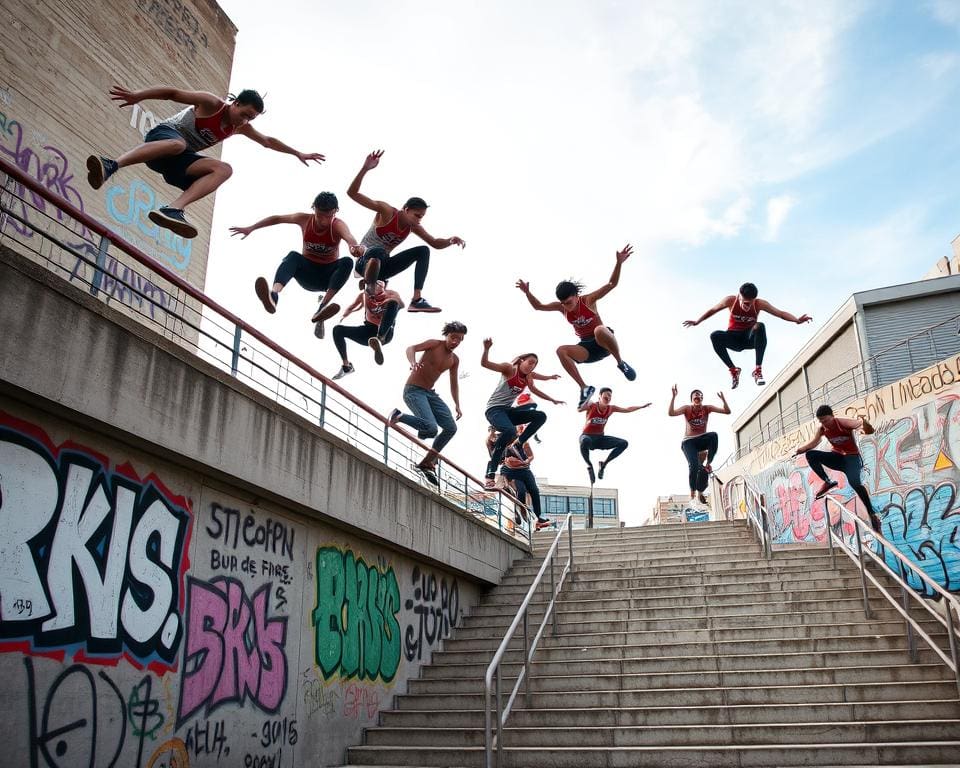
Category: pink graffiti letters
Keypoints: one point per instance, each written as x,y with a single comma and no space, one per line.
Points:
233,650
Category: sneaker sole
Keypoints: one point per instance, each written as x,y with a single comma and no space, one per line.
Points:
374,344
431,310
319,329
95,172
819,496
262,288
326,313
182,228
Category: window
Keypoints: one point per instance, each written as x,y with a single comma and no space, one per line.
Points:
555,505
604,508
578,505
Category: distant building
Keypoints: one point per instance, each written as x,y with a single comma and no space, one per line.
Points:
677,508
558,500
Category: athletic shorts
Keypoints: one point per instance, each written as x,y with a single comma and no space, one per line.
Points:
594,351
173,168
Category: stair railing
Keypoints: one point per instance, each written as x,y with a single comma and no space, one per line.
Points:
950,602
493,676
757,516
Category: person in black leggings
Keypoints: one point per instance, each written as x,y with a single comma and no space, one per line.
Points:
516,470
593,437
696,439
380,316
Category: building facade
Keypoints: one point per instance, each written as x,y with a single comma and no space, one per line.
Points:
558,500
678,508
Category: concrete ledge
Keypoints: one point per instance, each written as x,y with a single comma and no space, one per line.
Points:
67,353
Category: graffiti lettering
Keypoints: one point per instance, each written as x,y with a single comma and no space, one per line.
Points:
230,527
233,649
171,754
355,619
129,207
282,732
208,739
176,22
97,555
121,283
360,701
435,616
317,697
263,761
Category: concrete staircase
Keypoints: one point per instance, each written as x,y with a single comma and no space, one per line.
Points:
681,646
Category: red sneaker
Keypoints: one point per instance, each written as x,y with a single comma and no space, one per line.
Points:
734,378
758,376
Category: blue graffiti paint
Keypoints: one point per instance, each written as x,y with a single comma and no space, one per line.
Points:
129,207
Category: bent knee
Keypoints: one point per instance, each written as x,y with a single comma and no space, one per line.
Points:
717,335
223,169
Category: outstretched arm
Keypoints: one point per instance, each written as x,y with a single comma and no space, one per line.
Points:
544,395
721,305
766,306
128,98
278,146
553,306
814,441
506,369
290,218
439,243
340,227
672,410
603,290
716,409
629,408
357,303
353,191
859,423
543,377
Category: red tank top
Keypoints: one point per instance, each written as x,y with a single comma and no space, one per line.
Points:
320,247
583,319
392,234
697,421
841,439
596,420
374,306
210,128
742,319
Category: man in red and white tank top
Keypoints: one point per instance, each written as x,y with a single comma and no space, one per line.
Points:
580,310
844,456
319,268
699,446
390,227
380,310
744,331
593,437
171,147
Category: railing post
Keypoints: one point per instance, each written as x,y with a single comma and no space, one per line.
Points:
826,513
499,722
911,638
323,402
386,448
910,356
553,595
933,345
570,538
526,658
235,357
102,248
863,574
952,636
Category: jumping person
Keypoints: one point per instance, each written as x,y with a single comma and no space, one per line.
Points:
696,440
516,469
319,268
743,329
170,148
429,411
593,437
596,340
845,456
380,317
500,412
390,228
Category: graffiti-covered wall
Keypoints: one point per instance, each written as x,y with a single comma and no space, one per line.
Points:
911,468
151,617
58,62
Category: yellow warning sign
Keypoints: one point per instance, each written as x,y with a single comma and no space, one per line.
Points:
943,462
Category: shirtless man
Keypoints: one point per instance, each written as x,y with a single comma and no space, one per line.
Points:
844,457
390,228
696,440
580,310
319,267
429,411
593,437
743,330
380,317
170,148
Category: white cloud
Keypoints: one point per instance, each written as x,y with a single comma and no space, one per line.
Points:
947,12
778,208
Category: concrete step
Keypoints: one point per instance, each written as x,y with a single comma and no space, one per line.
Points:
731,695
784,756
613,554
576,717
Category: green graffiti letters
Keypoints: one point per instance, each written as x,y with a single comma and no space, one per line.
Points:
355,619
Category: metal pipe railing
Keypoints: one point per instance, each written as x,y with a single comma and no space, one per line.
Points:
64,208
913,627
492,679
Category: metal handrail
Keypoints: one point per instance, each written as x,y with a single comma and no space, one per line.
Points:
758,519
951,603
108,236
529,649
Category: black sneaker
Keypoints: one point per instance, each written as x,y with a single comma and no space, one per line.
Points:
422,305
828,486
591,473
174,220
267,297
345,370
626,370
319,329
395,415
374,343
603,466
325,313
429,474
585,394
543,522
99,169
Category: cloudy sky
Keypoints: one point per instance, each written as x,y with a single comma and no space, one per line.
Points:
808,147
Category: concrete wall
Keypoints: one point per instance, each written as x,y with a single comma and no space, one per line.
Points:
190,573
58,61
911,470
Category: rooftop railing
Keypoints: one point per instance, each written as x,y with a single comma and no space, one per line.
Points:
36,219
